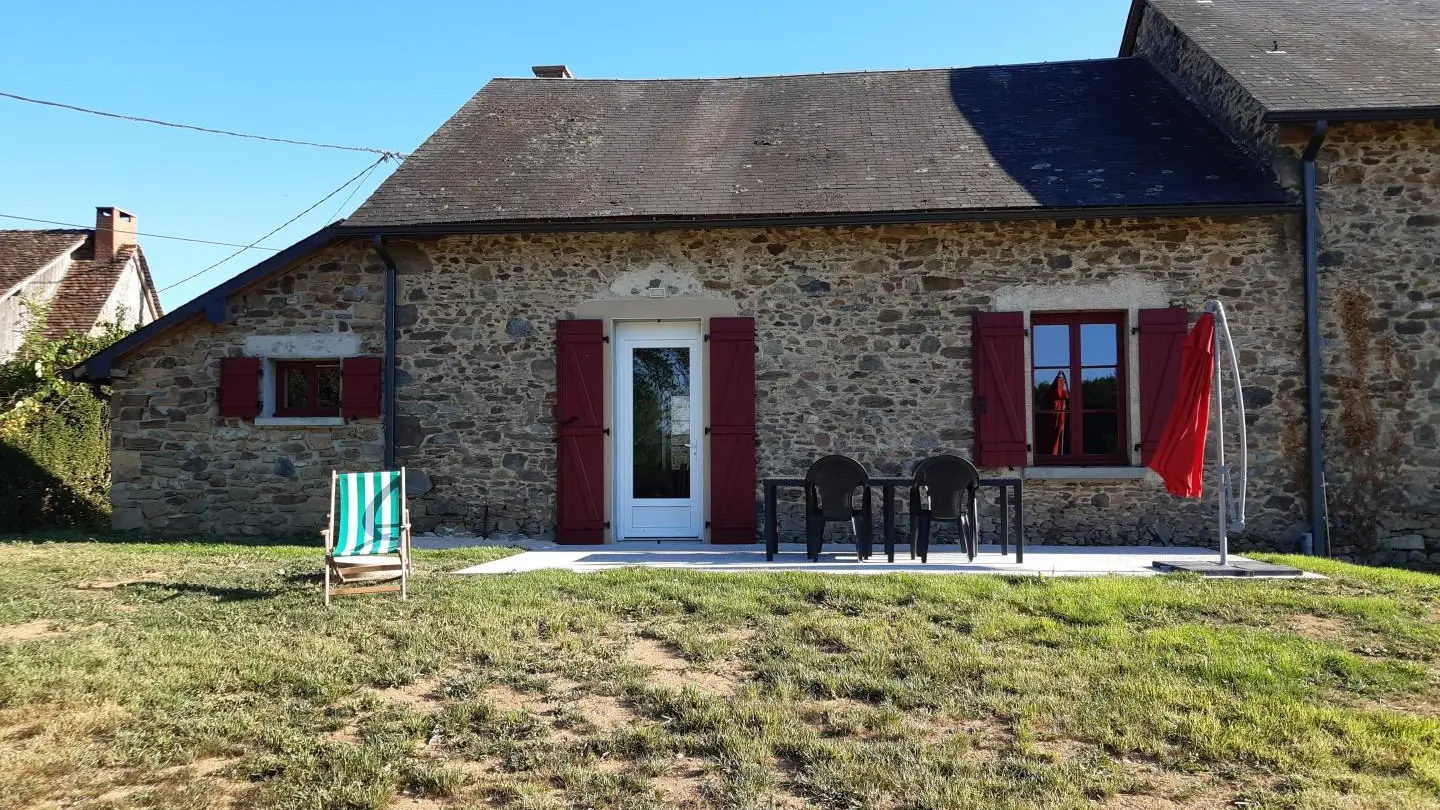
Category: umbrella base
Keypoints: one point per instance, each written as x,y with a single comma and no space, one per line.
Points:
1239,568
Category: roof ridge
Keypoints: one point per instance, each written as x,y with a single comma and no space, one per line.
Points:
890,72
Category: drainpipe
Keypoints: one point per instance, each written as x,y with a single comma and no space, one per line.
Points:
388,371
1319,517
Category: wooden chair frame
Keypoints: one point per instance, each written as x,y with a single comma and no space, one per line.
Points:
350,572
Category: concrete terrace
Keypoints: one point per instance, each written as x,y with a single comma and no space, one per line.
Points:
1056,561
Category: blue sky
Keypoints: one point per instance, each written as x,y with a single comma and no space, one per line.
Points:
384,74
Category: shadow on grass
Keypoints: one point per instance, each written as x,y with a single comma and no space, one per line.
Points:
301,540
218,593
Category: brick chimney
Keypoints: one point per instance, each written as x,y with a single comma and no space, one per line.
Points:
551,72
114,230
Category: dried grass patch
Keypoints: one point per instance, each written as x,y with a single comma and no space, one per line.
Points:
509,699
1152,787
684,784
116,584
1319,628
669,670
36,629
605,713
422,695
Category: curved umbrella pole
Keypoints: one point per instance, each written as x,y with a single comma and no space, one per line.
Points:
1228,508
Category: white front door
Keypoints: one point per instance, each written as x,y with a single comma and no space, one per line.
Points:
658,430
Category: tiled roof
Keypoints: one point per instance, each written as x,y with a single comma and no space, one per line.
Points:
1103,133
24,253
83,292
1303,56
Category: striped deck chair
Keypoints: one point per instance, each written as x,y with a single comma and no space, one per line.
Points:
368,538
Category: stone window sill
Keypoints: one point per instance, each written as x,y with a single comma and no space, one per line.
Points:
1084,473
299,421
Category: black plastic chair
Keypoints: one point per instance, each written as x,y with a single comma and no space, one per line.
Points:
944,489
830,486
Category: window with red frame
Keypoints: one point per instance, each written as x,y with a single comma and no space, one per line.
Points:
307,388
1078,407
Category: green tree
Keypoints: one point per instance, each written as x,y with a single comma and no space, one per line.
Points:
54,434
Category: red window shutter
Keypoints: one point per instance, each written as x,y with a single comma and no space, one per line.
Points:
240,387
999,356
1162,334
360,387
732,430
580,420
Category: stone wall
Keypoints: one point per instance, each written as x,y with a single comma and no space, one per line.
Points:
863,348
1379,191
1379,194
179,468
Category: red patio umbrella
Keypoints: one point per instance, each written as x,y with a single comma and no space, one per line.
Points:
1180,456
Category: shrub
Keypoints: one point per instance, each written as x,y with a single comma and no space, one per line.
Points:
54,434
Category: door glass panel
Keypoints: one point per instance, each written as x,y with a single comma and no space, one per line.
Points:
661,422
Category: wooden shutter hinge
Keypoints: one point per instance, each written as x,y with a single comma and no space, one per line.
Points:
607,431
707,524
1027,333
607,524
707,338
707,430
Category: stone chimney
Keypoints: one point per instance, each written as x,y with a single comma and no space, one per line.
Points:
114,231
551,72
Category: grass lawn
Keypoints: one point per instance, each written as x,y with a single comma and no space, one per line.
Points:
188,676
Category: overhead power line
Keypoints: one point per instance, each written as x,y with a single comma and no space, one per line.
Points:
122,117
282,226
137,233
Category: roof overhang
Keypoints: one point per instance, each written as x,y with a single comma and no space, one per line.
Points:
858,219
1354,114
212,304
1132,28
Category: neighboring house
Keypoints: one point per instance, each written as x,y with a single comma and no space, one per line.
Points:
603,308
89,277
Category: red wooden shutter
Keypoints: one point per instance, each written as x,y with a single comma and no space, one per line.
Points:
240,387
580,420
732,430
360,387
1162,334
1000,389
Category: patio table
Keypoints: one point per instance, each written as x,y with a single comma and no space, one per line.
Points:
887,490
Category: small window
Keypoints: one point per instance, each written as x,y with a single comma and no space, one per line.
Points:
1078,385
307,388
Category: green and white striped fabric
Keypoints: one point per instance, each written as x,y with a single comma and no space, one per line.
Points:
368,521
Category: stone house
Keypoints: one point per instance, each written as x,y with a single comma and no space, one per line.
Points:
604,308
88,276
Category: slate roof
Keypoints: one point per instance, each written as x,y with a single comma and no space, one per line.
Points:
24,253
1349,58
1101,133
